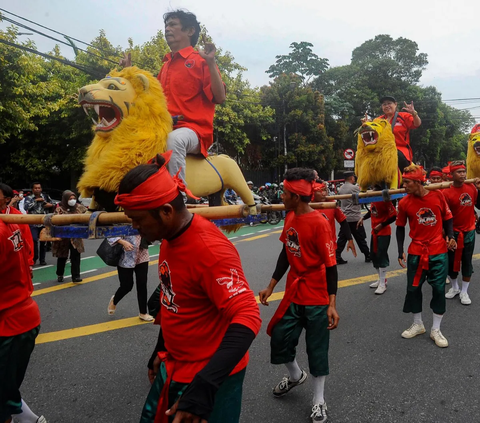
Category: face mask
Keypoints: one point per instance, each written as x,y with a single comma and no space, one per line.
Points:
71,203
20,195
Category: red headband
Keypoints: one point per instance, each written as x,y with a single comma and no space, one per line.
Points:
416,175
436,173
318,186
157,190
301,187
456,167
476,128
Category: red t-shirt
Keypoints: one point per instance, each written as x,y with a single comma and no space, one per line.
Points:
380,211
333,215
401,130
204,290
462,204
425,217
18,312
310,248
186,82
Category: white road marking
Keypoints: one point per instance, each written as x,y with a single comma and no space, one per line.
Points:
89,257
154,255
265,230
233,237
43,267
82,273
247,234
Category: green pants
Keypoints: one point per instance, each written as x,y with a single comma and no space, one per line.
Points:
435,275
15,354
380,258
228,399
286,332
467,254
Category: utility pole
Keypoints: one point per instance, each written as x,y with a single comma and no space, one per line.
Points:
285,135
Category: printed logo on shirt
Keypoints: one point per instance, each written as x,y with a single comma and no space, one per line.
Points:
331,248
17,240
426,217
293,243
167,291
232,283
374,211
189,63
465,200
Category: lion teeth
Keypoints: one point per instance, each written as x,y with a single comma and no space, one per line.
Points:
85,110
97,109
94,121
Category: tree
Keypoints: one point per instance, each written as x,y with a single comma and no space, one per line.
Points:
301,61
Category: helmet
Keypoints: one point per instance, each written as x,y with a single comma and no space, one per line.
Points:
249,183
261,188
274,186
267,185
281,185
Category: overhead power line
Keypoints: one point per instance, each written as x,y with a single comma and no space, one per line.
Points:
93,72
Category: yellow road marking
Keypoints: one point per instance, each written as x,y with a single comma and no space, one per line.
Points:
88,330
135,321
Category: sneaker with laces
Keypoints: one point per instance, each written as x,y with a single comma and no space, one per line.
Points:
319,413
381,289
414,330
286,384
375,284
452,293
41,419
439,339
465,299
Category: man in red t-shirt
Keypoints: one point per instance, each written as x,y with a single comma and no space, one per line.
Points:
19,314
192,85
462,199
402,123
383,214
310,295
333,215
208,314
428,215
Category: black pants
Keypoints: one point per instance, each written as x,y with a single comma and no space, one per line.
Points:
74,261
35,235
126,284
359,235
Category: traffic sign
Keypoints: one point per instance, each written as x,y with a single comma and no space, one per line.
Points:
349,164
349,154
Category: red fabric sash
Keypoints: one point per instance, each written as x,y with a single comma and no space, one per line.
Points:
458,252
162,407
283,306
422,264
375,242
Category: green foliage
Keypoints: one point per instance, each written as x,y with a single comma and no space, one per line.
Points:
301,61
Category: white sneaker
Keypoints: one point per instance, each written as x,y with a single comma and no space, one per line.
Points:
439,339
375,284
465,299
381,289
319,413
452,293
146,317
414,330
447,281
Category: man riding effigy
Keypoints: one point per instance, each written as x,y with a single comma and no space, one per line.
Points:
402,123
192,85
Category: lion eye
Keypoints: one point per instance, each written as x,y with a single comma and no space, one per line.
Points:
112,87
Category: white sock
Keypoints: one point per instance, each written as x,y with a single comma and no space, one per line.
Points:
382,273
437,319
294,370
454,283
417,318
318,389
465,287
27,415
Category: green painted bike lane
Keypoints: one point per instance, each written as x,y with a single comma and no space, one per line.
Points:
91,264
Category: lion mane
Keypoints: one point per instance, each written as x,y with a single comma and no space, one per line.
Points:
377,159
473,153
141,133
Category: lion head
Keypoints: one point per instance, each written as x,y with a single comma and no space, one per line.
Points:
473,153
131,126
377,160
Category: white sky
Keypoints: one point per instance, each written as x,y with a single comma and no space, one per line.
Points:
256,31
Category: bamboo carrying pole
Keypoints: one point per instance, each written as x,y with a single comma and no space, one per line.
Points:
367,194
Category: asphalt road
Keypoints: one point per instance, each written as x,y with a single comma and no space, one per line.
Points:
91,367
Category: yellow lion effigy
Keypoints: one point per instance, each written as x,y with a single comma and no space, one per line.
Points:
377,159
131,127
473,153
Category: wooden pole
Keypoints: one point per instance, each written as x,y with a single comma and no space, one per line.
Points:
367,194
